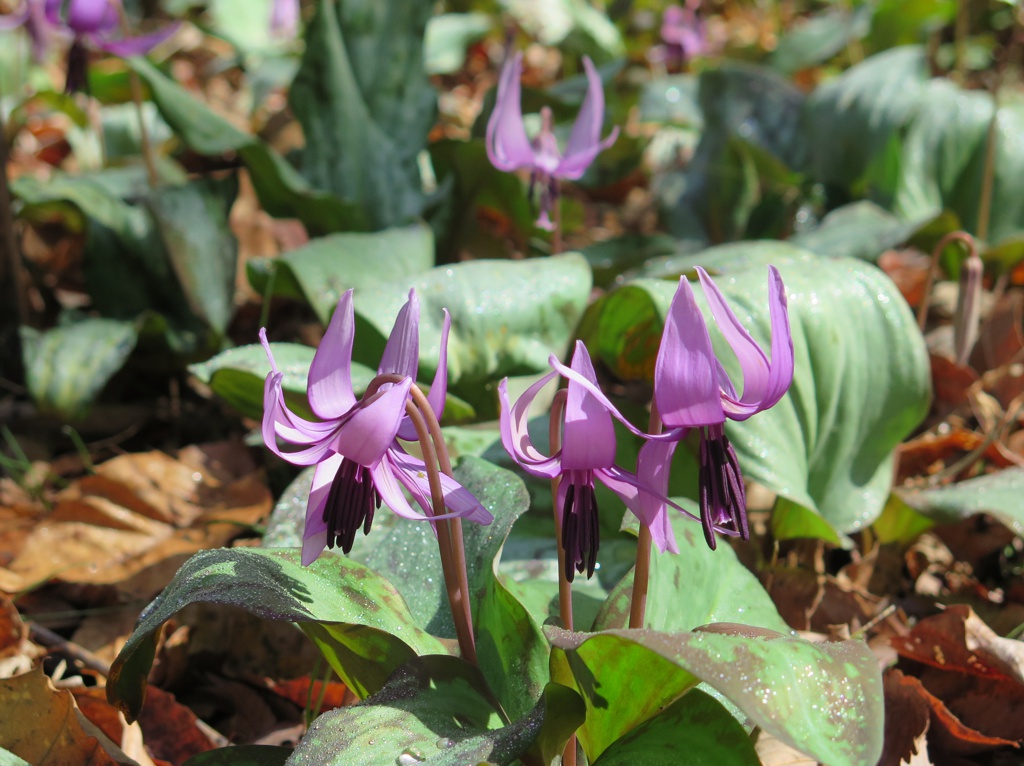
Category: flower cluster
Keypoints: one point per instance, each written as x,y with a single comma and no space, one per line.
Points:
691,391
355,443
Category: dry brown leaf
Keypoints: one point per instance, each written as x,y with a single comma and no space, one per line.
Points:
775,752
170,728
135,521
42,725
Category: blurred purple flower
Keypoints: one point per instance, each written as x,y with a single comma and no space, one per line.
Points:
509,149
32,16
692,390
358,461
284,18
91,23
683,33
587,453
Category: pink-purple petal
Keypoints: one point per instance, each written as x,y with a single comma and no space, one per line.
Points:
686,371
126,47
781,375
284,18
91,16
515,435
631,490
439,387
585,140
588,440
508,148
402,352
652,471
371,428
314,535
330,375
390,490
459,501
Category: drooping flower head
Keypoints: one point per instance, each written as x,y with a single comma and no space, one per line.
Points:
354,444
693,391
587,453
509,148
95,23
683,33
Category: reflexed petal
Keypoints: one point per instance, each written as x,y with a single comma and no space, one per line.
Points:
585,140
753,363
314,534
516,437
781,374
460,501
439,388
402,352
632,491
52,9
278,421
330,375
90,16
686,371
589,438
508,148
372,426
391,491
134,46
652,471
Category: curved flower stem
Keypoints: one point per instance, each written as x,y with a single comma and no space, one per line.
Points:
555,443
564,586
954,236
556,239
642,570
453,558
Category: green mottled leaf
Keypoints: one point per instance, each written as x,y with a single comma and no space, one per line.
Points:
68,366
282,191
366,105
357,618
857,230
695,729
996,493
823,699
820,36
325,268
861,381
436,710
193,221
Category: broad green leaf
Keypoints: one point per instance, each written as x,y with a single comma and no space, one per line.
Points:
242,755
851,121
857,230
193,222
366,105
611,257
352,613
899,523
68,366
282,191
245,24
436,710
508,317
695,729
694,587
321,271
861,381
448,36
997,493
825,699
819,36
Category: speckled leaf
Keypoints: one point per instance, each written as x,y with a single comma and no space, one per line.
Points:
353,612
997,493
68,366
694,587
507,318
861,381
435,710
823,699
857,230
322,270
695,729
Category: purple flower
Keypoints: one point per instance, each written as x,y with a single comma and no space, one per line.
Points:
95,23
359,461
683,32
509,149
587,453
32,16
284,18
692,390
